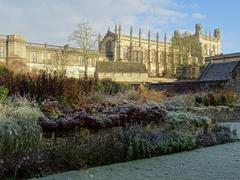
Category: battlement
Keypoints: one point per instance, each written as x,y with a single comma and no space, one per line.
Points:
16,38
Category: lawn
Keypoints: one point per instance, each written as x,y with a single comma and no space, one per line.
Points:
218,162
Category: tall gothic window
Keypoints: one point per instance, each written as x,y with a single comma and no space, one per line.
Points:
109,46
109,52
125,53
1,51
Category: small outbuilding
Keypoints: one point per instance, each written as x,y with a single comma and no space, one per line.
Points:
121,71
224,69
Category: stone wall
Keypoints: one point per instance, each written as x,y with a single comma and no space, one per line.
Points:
188,86
124,77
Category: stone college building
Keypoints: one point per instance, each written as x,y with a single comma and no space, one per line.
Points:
120,57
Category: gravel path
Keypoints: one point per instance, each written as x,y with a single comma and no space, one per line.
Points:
218,162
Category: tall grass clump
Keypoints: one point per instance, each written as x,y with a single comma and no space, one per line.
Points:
19,129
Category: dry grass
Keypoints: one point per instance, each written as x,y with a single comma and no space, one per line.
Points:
144,95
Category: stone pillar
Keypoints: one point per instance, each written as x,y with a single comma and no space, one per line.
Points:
180,51
149,51
173,58
99,41
157,55
140,37
131,45
210,43
115,44
119,43
165,55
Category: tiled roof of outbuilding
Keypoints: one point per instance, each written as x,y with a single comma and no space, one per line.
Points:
218,71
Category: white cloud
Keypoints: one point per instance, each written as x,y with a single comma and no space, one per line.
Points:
199,16
53,20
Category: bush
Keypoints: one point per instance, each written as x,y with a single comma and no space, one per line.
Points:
179,103
146,144
198,121
56,84
3,93
218,135
218,98
19,129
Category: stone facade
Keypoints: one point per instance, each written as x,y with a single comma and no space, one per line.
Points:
161,58
43,56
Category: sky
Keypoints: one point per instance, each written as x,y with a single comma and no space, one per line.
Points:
52,21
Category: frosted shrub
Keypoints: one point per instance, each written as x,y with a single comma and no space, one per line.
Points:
187,116
182,102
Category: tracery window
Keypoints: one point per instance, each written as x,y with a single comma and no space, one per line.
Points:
109,46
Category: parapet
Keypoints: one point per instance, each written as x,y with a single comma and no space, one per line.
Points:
16,38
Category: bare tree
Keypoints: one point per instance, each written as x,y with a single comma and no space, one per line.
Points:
86,40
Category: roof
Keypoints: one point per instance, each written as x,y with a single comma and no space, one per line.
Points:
223,56
218,71
119,67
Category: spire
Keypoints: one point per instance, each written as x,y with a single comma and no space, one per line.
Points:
157,57
131,32
120,29
165,38
165,55
108,30
99,37
140,36
149,35
149,51
99,40
115,33
115,29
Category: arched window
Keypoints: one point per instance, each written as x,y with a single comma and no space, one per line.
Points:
126,53
109,46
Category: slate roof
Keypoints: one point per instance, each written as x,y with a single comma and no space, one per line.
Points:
223,56
120,67
218,71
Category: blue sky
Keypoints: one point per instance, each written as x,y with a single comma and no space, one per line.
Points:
53,20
